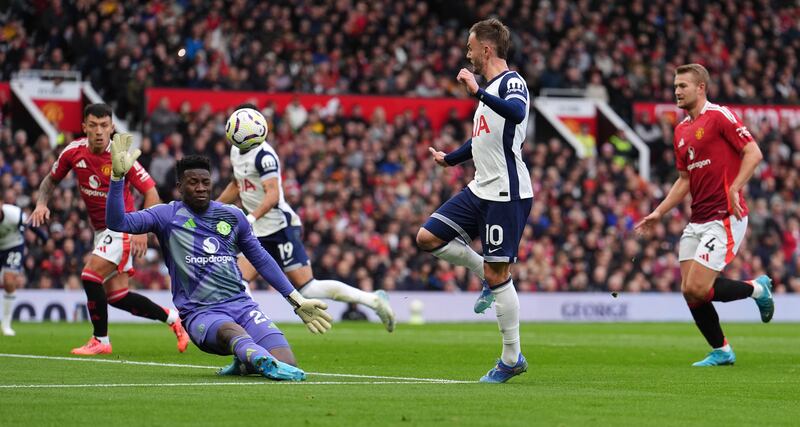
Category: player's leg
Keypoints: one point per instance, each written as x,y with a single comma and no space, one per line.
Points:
286,247
447,233
11,276
121,297
92,276
719,245
255,358
504,224
701,262
11,280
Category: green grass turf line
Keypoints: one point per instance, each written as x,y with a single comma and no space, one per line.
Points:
580,374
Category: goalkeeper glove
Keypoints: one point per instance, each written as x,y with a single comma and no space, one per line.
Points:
121,159
311,312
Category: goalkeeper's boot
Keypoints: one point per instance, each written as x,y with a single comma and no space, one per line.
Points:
91,348
765,303
180,333
237,367
384,310
485,299
274,369
502,372
717,357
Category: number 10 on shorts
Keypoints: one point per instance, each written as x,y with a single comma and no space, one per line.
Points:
494,235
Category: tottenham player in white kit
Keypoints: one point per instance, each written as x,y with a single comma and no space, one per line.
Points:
258,184
12,248
497,202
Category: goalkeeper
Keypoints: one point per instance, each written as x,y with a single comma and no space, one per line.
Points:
200,240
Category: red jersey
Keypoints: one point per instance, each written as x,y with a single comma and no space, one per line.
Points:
93,172
710,149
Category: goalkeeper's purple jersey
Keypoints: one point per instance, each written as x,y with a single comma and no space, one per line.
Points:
199,249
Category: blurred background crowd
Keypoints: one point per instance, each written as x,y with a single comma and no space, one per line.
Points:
364,185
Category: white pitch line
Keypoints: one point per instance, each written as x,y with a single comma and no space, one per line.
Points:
248,383
179,365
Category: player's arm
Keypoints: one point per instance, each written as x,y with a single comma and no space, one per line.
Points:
139,222
460,155
737,135
42,213
311,311
121,163
270,200
511,105
676,194
751,157
230,193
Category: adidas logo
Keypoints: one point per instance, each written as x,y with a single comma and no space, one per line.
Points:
189,223
81,164
680,143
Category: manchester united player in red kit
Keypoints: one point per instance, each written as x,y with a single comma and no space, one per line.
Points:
105,276
715,156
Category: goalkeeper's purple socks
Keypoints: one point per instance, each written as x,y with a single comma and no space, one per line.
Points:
247,350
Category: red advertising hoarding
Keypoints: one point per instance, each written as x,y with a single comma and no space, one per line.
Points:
752,115
437,109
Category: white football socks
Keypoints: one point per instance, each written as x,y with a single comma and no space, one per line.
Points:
757,289
338,291
506,307
172,316
8,308
456,252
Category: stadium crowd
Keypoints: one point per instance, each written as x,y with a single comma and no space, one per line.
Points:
363,185
619,51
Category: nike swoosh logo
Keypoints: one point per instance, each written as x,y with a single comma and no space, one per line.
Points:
491,251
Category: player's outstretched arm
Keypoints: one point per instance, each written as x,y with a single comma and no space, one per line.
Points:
511,109
116,218
311,311
677,193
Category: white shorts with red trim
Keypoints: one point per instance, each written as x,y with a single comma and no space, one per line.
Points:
115,247
714,243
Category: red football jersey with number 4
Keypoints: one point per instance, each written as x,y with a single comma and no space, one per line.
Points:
710,149
93,173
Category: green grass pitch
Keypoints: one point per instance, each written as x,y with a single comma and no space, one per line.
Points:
580,374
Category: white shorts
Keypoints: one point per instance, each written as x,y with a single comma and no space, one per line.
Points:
714,243
115,247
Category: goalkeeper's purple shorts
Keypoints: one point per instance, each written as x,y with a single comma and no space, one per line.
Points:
202,326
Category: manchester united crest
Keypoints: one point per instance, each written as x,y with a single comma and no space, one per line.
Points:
699,133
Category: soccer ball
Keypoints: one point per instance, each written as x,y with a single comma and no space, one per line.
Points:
246,128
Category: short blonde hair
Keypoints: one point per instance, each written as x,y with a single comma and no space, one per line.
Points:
700,73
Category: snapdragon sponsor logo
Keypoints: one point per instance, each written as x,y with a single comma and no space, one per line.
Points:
211,246
93,193
203,260
697,165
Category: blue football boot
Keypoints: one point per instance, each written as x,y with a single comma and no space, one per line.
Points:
765,303
237,367
274,369
718,358
485,299
502,372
